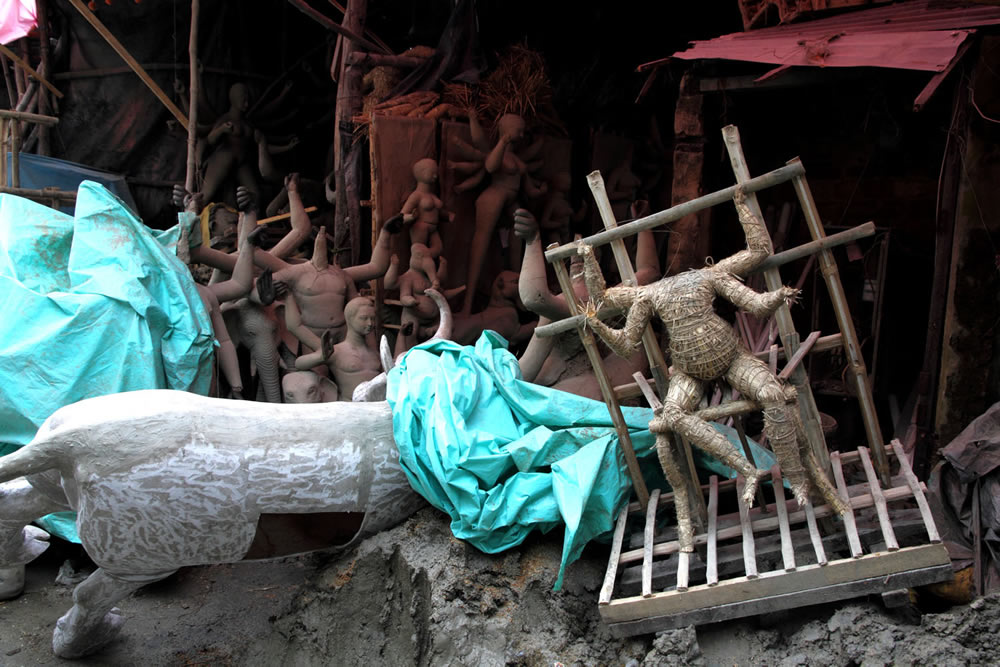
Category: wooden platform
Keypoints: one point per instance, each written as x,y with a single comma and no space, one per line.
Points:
752,561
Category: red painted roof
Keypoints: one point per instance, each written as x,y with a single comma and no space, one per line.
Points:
917,35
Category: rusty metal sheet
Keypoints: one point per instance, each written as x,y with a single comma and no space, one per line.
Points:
917,35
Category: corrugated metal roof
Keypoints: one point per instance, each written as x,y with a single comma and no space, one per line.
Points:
917,35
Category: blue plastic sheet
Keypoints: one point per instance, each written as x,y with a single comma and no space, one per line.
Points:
38,171
503,457
90,305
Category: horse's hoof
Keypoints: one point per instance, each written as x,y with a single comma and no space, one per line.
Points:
11,582
71,640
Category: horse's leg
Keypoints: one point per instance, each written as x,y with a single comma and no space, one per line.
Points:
20,504
93,621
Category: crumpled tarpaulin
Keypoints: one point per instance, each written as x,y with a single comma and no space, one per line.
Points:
90,305
17,19
503,457
973,456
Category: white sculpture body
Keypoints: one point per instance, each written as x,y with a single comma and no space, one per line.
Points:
166,479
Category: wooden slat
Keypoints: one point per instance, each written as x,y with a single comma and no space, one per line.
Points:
649,535
647,391
918,494
683,568
616,551
814,536
787,548
601,374
880,505
770,523
812,247
849,525
712,566
30,70
746,527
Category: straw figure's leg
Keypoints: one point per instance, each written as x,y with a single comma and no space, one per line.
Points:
674,475
814,468
676,416
752,378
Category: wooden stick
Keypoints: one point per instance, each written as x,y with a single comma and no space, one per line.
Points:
746,527
375,38
379,59
44,65
880,505
193,87
29,69
799,355
712,567
918,494
616,551
285,216
103,31
787,548
601,374
648,538
849,525
15,154
11,92
674,213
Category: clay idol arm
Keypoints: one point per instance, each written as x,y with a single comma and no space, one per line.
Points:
379,263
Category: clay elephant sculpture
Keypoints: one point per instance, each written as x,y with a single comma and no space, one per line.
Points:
308,387
251,326
166,479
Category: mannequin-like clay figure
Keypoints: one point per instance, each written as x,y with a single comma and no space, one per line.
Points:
622,186
308,387
508,177
321,290
350,361
560,362
704,347
419,310
501,315
423,208
231,146
558,214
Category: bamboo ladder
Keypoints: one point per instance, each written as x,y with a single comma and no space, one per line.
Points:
794,349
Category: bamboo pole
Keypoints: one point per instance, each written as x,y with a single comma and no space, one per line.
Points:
24,116
657,363
856,362
29,69
813,247
11,91
590,345
103,31
783,316
351,32
770,179
44,103
193,89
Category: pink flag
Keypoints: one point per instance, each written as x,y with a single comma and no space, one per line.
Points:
17,18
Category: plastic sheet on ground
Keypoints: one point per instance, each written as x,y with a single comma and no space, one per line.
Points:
503,457
90,305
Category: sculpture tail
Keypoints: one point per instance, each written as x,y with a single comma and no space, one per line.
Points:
39,455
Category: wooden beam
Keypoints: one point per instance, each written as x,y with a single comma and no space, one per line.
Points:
28,117
103,31
29,69
194,86
936,80
330,24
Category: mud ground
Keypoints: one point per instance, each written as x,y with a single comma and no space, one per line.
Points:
417,596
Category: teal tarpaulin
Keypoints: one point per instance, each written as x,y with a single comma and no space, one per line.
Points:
502,456
91,304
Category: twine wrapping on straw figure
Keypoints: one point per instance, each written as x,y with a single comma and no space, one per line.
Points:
704,347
